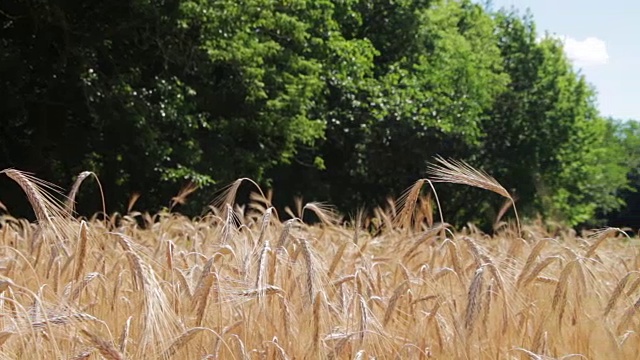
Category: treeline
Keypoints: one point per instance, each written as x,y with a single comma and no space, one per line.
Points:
345,101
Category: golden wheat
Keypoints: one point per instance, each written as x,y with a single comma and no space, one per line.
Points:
240,282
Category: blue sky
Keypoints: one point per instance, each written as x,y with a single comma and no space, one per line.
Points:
601,38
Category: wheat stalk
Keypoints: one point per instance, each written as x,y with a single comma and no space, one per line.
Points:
317,301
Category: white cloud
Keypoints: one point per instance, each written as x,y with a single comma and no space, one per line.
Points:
588,52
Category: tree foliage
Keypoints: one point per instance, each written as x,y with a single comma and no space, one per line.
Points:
344,101
544,136
624,138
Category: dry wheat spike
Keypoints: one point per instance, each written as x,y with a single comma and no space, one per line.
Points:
459,172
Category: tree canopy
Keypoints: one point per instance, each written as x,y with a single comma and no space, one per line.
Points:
343,101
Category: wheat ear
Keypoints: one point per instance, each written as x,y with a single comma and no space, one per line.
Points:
600,237
44,205
617,291
47,208
81,252
71,198
181,341
266,220
105,347
407,204
181,197
262,265
228,194
284,235
473,298
310,268
124,336
324,212
399,291
459,172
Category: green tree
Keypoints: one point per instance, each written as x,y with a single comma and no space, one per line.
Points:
544,136
154,93
625,137
432,73
345,101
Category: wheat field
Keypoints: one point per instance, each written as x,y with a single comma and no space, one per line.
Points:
244,282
